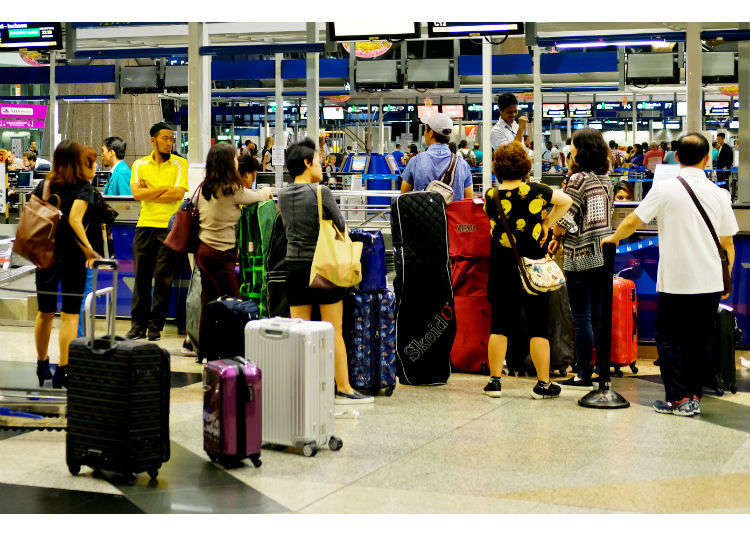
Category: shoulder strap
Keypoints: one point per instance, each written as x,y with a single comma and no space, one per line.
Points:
320,202
45,191
702,212
511,238
450,171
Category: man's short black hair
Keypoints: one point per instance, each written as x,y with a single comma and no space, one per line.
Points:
247,163
692,148
161,125
116,144
721,135
297,155
440,138
248,142
506,99
568,141
398,146
612,144
462,144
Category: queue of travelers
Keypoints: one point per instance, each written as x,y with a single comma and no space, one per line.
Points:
577,217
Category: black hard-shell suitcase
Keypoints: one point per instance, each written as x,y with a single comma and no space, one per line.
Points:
118,398
224,328
723,368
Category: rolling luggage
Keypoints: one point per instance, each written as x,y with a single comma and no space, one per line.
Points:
224,327
373,259
254,231
274,288
425,319
561,333
723,369
193,308
296,358
370,338
624,346
118,398
232,411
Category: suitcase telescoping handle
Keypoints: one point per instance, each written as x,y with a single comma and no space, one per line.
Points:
110,292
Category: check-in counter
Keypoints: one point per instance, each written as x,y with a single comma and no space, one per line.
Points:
641,261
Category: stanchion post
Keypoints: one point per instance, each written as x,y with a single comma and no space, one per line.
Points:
604,397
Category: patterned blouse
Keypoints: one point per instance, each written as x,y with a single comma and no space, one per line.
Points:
588,220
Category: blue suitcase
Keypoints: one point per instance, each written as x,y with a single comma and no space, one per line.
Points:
373,259
370,336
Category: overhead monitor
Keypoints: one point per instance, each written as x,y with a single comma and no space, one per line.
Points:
176,76
580,109
473,29
37,35
736,105
682,108
613,106
719,64
24,179
651,105
651,66
717,108
553,110
657,125
333,112
595,125
370,29
427,110
734,125
454,111
674,124
303,112
139,77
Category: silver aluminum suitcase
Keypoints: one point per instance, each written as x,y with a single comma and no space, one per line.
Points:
296,358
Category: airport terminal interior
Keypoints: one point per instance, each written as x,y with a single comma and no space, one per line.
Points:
365,93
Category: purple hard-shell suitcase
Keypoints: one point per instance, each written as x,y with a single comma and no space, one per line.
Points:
232,411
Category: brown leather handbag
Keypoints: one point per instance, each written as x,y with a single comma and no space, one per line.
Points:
35,236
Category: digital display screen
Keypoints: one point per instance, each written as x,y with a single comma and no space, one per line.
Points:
658,125
359,163
427,110
717,108
553,110
454,111
736,105
453,29
303,112
650,105
391,161
333,112
613,106
682,109
580,109
595,126
674,125
372,28
734,124
17,35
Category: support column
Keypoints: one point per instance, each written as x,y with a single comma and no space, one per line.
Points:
486,114
199,94
380,124
53,126
279,138
537,130
694,76
743,184
313,86
635,118
568,120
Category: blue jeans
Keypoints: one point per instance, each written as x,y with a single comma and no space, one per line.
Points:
586,294
86,291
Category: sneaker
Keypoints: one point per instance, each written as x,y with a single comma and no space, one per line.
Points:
188,349
135,333
153,334
493,389
660,406
577,383
353,398
545,390
697,404
686,409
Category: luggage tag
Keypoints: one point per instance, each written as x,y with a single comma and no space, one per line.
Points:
478,200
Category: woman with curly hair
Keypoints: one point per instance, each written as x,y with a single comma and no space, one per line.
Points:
523,204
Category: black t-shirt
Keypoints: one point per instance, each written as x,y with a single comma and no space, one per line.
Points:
65,242
523,207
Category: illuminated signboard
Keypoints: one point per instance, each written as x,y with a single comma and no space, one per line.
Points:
454,111
553,110
717,108
469,29
333,112
18,35
580,109
427,110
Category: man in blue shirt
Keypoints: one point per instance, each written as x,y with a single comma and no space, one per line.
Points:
398,155
432,163
113,152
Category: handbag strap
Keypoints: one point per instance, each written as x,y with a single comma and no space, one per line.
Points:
702,213
450,171
511,238
320,203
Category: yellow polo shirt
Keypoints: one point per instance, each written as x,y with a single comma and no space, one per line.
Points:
173,173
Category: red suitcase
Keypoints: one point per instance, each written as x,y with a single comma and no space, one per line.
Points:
469,250
624,347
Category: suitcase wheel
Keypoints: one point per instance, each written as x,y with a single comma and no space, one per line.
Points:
618,372
335,443
74,469
213,457
634,368
389,390
733,389
310,450
153,473
255,458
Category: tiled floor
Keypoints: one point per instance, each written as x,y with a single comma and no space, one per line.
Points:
445,449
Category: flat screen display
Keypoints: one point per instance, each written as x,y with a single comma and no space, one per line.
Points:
367,29
454,111
303,112
734,125
427,110
453,29
359,163
17,35
332,112
580,109
595,126
553,110
24,179
674,125
717,108
682,109
391,161
658,125
613,106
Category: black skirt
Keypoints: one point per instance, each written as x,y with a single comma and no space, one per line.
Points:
299,291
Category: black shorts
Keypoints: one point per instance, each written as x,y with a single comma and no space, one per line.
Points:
70,274
299,291
511,305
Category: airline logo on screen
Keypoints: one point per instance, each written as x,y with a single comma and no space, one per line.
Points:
16,110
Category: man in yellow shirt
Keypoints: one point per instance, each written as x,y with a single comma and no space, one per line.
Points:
159,181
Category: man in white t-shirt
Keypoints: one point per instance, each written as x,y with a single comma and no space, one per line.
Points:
689,278
507,130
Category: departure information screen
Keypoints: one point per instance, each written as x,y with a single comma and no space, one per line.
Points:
17,35
580,109
717,108
553,110
453,29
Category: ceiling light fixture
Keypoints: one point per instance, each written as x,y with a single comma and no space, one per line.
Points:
601,44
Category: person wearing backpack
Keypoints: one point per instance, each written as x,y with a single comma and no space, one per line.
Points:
431,164
70,183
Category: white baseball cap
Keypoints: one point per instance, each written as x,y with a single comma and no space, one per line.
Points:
440,123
